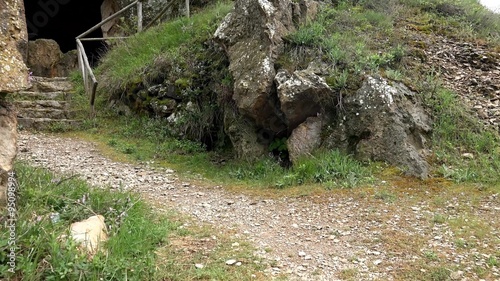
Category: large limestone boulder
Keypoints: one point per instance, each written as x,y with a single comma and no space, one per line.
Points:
13,46
252,37
108,8
384,122
45,59
300,95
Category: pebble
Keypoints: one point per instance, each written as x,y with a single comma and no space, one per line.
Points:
199,265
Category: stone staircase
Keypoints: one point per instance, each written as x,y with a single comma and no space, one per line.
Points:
45,105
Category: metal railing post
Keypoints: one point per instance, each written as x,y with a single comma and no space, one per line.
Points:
139,16
89,81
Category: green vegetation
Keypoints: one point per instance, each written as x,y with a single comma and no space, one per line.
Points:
352,37
330,168
451,139
356,38
144,139
172,44
140,244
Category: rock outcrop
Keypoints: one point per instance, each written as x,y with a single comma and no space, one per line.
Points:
13,46
300,95
8,146
13,77
45,59
108,8
383,122
252,37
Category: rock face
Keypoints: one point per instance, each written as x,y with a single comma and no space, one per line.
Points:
13,46
383,122
8,146
252,36
13,77
300,95
108,8
305,138
45,59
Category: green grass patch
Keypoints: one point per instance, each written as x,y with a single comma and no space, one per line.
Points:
137,236
144,139
455,133
127,63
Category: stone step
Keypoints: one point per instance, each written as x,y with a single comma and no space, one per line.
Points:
45,113
46,123
30,96
41,104
55,84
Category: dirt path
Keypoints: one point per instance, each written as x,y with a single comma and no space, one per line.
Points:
378,233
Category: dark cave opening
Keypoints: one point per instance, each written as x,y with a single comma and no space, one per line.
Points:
63,20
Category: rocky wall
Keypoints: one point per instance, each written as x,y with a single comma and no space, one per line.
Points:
13,77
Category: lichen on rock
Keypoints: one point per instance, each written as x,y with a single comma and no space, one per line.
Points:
384,122
252,37
13,46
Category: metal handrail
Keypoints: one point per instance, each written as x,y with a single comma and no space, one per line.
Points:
89,80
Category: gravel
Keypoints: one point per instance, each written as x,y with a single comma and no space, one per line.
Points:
308,238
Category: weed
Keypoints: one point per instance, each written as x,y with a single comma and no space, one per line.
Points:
138,247
394,75
492,261
385,196
348,274
468,135
44,257
439,274
438,218
430,255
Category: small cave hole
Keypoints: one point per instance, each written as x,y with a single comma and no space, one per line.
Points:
63,21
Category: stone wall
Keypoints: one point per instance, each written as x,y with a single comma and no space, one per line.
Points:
13,46
13,77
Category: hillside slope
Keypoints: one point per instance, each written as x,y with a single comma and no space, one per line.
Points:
445,51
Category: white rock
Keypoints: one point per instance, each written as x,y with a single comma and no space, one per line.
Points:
90,233
231,262
468,156
457,275
199,265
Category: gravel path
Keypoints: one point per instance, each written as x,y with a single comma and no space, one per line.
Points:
334,237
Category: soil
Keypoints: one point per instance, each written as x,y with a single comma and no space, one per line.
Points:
394,229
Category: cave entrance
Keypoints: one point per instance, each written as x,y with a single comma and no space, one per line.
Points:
63,20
